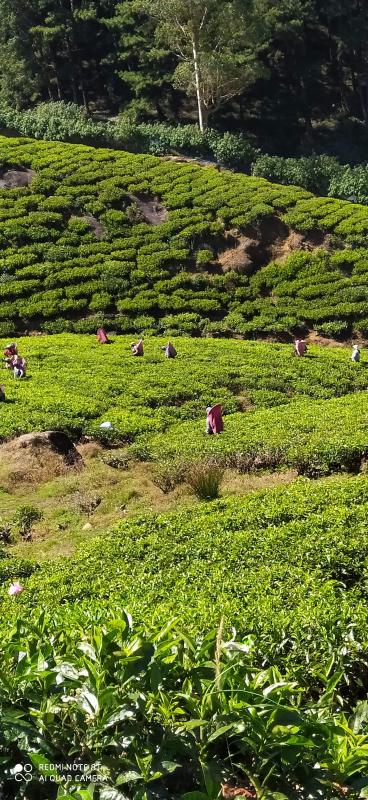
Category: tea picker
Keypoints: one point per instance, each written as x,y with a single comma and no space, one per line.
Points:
19,367
102,336
214,421
169,350
300,347
137,348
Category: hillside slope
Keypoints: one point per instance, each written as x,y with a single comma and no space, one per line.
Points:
93,236
281,563
309,414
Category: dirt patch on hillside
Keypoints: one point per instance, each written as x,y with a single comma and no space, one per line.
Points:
16,178
151,209
325,341
36,457
270,240
95,225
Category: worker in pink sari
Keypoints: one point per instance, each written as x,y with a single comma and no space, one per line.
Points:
102,337
137,348
214,422
300,347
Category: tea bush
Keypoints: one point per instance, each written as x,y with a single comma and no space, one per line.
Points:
132,714
315,438
286,567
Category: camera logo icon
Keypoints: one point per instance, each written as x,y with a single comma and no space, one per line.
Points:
23,772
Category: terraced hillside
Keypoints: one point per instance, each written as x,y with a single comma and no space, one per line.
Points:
146,245
264,693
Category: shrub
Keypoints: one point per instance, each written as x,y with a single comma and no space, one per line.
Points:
25,519
205,479
117,459
168,474
315,173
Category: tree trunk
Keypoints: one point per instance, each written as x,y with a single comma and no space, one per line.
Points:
198,84
84,96
363,95
58,87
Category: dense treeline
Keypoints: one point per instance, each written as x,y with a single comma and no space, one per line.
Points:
258,65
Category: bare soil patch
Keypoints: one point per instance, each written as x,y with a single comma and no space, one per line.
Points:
37,457
325,341
270,240
16,178
96,226
151,209
201,162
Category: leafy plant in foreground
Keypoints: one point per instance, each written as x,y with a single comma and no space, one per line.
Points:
160,714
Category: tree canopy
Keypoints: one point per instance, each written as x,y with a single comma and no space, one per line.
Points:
261,65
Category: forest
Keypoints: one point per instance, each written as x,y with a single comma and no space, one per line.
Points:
292,74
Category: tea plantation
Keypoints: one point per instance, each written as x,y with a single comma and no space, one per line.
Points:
307,413
244,668
99,235
155,710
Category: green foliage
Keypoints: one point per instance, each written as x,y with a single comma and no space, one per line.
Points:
286,567
59,121
173,702
315,173
75,384
144,277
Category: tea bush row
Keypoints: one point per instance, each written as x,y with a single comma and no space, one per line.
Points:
75,384
286,567
326,291
56,275
316,438
59,121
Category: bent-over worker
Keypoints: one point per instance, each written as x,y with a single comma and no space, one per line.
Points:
102,336
137,348
170,351
214,421
19,367
300,347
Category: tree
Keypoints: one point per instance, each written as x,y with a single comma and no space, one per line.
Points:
19,81
214,42
144,69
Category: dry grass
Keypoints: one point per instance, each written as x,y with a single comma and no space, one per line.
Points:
235,483
33,466
65,499
89,450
